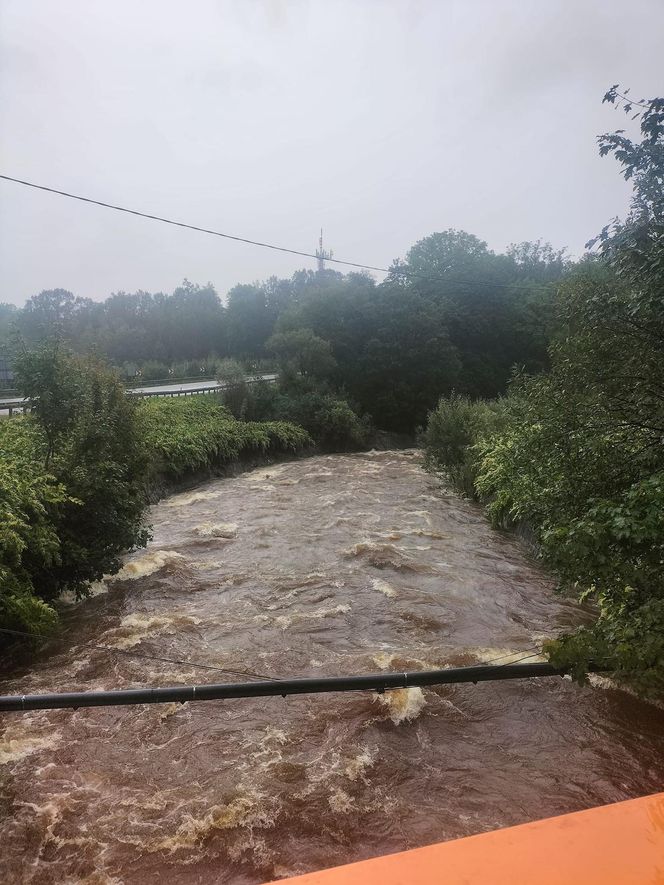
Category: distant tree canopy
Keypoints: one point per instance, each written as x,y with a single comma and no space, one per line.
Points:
453,315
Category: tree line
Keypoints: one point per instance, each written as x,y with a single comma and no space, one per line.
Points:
452,315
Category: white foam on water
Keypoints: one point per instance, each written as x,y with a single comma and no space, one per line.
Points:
403,704
423,514
265,744
165,675
168,710
187,498
383,660
605,683
426,533
208,564
96,588
246,810
357,765
319,474
264,473
256,848
136,627
18,742
146,565
504,655
406,547
383,587
216,530
340,802
285,621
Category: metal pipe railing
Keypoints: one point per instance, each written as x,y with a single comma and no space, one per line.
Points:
379,682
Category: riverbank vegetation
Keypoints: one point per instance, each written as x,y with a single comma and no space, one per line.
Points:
71,493
304,393
576,452
197,433
76,474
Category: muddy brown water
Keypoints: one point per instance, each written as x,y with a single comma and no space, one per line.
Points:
332,565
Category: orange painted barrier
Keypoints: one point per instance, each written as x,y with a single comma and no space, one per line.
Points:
621,844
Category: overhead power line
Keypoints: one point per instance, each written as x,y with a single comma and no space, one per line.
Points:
203,230
215,233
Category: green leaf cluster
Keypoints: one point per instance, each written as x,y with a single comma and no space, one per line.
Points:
30,497
454,431
188,434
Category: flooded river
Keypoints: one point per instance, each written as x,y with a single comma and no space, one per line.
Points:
327,566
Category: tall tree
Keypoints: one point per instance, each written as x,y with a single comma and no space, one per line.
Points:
93,448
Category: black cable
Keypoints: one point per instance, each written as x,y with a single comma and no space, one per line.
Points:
536,654
393,270
379,682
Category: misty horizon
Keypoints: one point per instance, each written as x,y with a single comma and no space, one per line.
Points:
382,124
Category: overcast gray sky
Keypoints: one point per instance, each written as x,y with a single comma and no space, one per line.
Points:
380,121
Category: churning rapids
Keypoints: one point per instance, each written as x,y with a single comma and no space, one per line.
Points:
327,566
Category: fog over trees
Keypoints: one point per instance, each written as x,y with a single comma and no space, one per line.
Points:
454,314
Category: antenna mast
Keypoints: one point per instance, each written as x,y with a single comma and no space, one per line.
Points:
321,254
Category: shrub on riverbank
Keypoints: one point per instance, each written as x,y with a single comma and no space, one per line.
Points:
188,434
453,431
93,447
29,543
330,420
302,395
591,489
71,484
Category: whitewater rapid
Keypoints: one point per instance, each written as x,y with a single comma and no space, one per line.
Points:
333,565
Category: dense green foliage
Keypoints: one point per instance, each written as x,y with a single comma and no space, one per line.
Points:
302,395
29,543
71,477
184,435
93,447
454,430
330,420
578,451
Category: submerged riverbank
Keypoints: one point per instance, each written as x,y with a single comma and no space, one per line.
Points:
331,565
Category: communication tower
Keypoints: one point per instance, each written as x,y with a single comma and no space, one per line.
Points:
321,254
